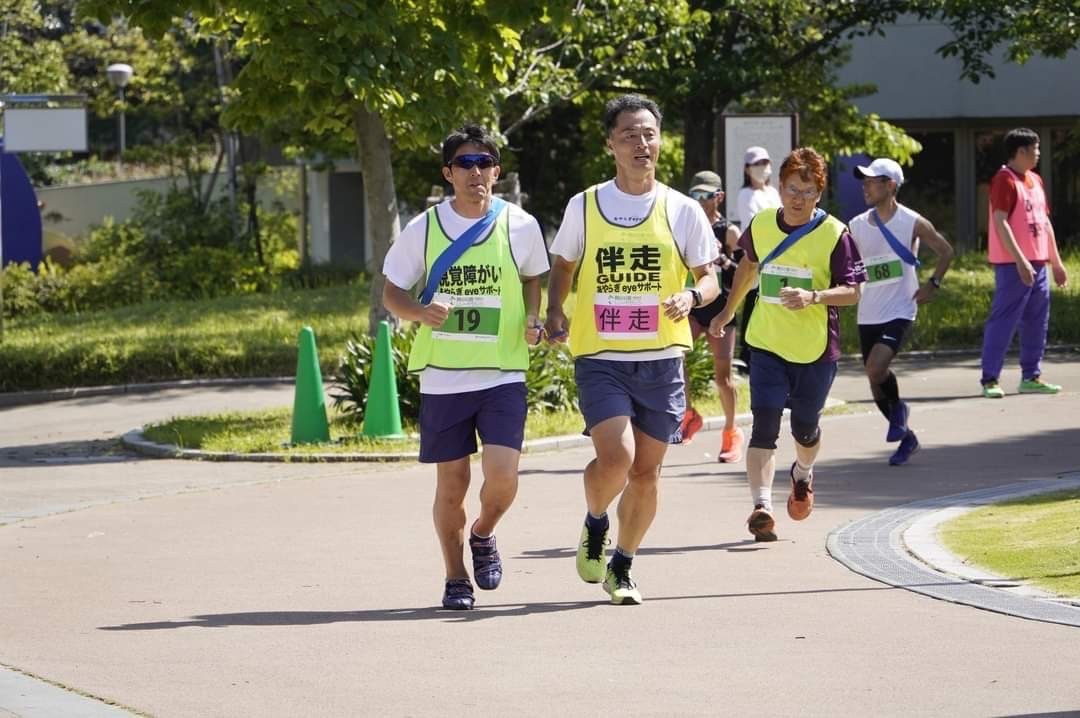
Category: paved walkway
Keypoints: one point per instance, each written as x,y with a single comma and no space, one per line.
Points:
179,588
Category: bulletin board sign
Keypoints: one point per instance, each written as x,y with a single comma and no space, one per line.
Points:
777,133
44,123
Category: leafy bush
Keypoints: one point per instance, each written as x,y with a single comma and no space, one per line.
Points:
350,388
20,289
172,248
549,382
699,371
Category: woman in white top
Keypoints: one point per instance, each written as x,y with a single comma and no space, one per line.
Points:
756,193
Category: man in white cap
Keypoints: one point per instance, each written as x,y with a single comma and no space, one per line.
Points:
888,236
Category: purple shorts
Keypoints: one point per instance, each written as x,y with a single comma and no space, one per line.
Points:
649,392
449,422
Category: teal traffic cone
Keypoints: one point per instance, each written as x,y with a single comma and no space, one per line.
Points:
382,416
309,425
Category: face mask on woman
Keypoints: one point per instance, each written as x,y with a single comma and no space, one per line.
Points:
760,173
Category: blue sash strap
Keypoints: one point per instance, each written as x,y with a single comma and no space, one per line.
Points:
901,251
789,241
458,247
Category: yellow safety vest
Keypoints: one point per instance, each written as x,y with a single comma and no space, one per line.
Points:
625,273
486,326
797,335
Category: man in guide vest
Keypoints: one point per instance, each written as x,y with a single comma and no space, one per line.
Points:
634,239
807,265
1021,243
889,236
481,259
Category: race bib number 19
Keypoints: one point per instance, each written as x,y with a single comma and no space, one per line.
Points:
775,277
472,319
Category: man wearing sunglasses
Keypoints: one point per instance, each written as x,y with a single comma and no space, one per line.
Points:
888,236
634,239
808,265
478,316
707,188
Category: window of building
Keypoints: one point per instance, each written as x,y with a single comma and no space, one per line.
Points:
929,185
989,156
1065,188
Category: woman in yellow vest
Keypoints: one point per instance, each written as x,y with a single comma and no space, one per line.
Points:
808,265
634,239
482,259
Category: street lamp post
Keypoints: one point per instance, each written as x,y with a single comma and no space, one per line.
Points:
119,75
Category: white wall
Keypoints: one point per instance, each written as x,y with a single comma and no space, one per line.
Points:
82,207
915,82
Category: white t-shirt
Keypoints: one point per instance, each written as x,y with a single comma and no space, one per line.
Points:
405,266
689,225
750,201
887,295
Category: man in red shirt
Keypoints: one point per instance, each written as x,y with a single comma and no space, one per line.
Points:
1021,243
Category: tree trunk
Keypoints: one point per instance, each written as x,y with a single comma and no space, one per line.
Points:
381,201
699,142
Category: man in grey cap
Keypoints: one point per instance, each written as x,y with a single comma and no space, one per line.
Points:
888,236
707,189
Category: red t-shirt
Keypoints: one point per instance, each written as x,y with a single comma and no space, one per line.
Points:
1003,194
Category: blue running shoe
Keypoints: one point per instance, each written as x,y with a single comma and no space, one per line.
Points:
458,595
898,422
486,563
908,446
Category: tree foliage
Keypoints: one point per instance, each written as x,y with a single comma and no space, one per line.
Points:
375,71
29,63
1021,29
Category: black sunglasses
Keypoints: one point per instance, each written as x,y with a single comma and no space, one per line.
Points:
467,162
702,194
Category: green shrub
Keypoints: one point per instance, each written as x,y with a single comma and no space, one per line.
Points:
550,382
172,248
350,388
20,290
699,371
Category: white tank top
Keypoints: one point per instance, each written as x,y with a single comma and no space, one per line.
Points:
889,292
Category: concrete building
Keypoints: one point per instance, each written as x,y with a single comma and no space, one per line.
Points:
961,125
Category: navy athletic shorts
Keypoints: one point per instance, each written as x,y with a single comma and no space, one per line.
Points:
449,423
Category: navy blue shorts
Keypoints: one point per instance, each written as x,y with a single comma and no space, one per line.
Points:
449,422
650,392
776,384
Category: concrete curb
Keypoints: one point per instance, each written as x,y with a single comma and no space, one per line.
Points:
137,441
878,546
921,541
21,398
27,696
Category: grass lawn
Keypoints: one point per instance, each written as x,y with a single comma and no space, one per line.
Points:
1035,539
269,430
245,336
956,317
